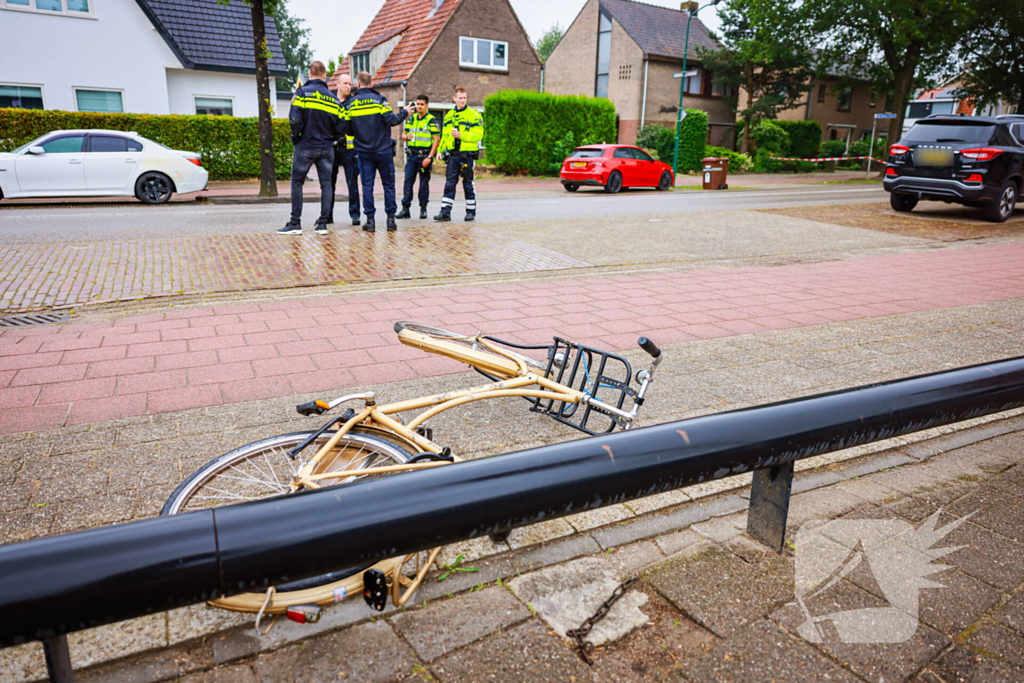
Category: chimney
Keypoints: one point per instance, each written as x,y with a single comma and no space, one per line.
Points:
690,7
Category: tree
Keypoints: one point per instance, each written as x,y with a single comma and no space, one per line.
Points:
258,8
764,52
994,50
548,41
333,65
294,39
910,39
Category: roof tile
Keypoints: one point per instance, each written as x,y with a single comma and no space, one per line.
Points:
660,31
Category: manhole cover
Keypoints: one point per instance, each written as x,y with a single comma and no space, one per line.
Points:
34,319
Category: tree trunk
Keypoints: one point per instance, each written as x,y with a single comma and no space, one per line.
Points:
268,179
748,120
904,85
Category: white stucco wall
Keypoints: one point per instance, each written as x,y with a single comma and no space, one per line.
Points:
184,84
117,49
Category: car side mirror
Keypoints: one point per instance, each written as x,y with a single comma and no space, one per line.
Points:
36,150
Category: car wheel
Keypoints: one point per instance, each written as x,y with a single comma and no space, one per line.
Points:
665,182
571,187
1002,208
902,202
614,183
153,188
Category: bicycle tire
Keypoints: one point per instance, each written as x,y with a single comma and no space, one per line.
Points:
465,340
326,588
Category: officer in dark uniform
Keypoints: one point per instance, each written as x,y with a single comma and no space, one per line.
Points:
345,157
461,132
316,122
421,135
368,118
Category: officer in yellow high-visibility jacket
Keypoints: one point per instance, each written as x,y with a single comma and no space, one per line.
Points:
461,132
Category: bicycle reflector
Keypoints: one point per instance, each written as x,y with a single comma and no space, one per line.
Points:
375,589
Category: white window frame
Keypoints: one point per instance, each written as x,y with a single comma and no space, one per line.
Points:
212,97
65,12
354,68
476,48
76,88
42,89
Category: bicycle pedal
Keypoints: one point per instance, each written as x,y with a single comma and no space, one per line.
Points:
375,589
304,614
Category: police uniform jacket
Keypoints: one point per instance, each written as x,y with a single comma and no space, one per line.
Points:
368,118
315,115
347,142
471,128
421,130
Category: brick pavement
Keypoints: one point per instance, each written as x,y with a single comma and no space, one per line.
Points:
183,359
62,275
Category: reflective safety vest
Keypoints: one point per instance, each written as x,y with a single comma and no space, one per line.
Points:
349,139
421,130
471,128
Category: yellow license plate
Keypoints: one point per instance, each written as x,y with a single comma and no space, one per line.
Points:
579,164
933,157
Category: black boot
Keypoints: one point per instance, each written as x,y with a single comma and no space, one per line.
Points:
392,226
423,213
369,227
355,221
330,220
404,213
445,215
471,215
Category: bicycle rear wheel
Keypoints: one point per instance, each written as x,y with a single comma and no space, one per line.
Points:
468,341
263,470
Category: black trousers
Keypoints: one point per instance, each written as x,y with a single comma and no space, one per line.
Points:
413,170
349,160
370,164
459,166
302,160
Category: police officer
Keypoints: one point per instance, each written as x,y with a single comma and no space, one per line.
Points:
345,157
368,118
421,136
316,122
461,132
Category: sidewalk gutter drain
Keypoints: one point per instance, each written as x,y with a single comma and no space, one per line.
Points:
34,319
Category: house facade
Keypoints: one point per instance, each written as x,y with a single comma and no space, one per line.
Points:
139,56
944,100
630,52
430,47
845,113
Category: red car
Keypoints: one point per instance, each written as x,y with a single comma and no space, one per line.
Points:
614,167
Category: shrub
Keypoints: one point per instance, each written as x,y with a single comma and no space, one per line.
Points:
522,128
833,148
693,137
770,137
659,138
859,148
229,146
737,162
804,138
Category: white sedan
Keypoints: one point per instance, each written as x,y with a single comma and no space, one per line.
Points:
83,163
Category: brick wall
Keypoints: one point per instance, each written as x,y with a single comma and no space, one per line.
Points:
626,82
572,67
663,96
861,114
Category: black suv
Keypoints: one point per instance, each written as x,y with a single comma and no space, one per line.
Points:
971,160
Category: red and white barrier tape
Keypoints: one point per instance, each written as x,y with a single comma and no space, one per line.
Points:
827,159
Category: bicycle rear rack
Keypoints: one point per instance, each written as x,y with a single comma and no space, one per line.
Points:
605,376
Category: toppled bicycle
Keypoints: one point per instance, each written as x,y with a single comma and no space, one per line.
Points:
577,385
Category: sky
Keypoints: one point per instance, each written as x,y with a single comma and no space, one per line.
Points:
336,26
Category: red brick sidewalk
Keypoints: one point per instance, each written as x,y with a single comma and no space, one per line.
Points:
79,373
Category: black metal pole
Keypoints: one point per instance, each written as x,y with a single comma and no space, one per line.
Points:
61,584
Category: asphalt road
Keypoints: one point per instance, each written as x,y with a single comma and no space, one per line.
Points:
82,223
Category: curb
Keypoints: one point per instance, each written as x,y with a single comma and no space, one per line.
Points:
250,199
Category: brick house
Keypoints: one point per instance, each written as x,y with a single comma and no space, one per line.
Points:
844,114
628,52
429,47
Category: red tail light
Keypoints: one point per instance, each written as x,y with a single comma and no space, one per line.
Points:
981,153
890,171
197,162
898,150
974,178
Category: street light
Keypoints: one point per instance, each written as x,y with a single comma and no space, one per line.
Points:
682,84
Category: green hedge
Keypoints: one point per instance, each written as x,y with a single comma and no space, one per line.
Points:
229,145
737,162
659,138
833,148
804,138
693,137
521,127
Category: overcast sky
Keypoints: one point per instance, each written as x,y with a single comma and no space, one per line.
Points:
336,26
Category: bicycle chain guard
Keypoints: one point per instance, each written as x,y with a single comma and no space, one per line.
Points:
375,589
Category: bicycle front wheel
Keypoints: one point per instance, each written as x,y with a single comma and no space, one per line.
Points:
468,341
263,470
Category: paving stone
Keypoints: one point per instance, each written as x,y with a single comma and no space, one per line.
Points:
525,654
998,641
762,652
599,517
538,533
156,665
657,502
964,665
633,559
655,524
235,673
446,625
717,529
488,570
994,509
994,559
1012,613
889,661
568,594
369,652
554,552
871,464
950,443
673,543
717,589
118,640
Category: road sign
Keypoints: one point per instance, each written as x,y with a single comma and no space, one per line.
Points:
885,116
688,74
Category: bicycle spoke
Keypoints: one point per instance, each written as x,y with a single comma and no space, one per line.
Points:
271,466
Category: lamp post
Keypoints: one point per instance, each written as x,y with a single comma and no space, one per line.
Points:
682,84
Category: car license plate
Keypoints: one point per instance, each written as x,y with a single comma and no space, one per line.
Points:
579,164
933,157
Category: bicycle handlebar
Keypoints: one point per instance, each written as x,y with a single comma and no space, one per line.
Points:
650,347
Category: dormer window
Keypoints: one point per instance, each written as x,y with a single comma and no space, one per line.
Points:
360,62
